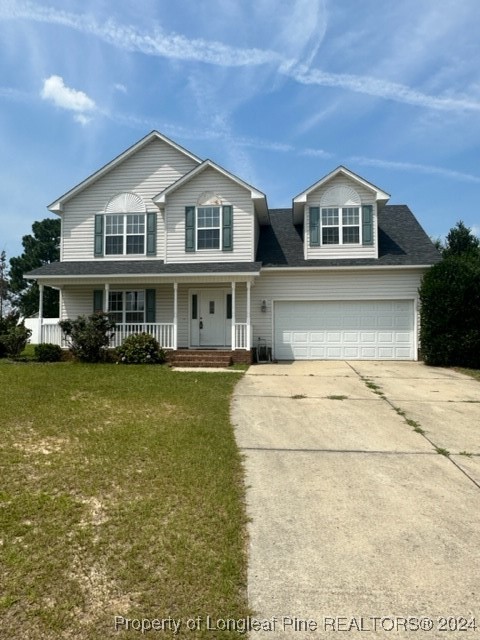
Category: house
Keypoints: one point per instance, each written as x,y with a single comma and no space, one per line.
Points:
179,247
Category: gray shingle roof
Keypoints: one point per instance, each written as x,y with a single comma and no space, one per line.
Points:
140,267
402,241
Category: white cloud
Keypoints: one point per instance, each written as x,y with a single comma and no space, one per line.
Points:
54,90
120,87
179,47
315,153
410,166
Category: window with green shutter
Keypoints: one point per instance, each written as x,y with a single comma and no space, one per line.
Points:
314,224
367,225
189,228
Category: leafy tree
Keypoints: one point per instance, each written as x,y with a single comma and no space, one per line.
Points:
4,284
40,248
450,311
460,241
13,335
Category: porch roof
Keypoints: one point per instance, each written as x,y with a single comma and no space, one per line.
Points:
128,268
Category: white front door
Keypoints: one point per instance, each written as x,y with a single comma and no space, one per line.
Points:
208,318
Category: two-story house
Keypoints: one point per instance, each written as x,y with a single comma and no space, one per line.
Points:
182,249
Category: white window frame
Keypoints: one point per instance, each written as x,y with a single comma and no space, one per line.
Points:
341,226
198,228
125,235
124,310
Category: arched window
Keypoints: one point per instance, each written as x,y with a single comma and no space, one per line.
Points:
125,226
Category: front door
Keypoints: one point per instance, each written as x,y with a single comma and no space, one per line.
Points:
208,328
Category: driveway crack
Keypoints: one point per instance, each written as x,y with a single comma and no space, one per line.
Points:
375,388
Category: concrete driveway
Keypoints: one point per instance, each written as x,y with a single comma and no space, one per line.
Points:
358,522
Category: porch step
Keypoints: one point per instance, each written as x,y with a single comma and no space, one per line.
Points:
200,358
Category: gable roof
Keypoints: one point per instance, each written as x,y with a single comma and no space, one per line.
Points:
259,198
402,242
57,205
298,202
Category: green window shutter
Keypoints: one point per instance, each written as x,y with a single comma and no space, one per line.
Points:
151,234
150,305
367,225
227,229
98,246
98,301
189,228
229,306
314,223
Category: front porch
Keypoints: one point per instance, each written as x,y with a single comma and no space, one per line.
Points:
209,316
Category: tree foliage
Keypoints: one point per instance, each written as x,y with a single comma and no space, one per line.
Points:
89,336
450,311
13,335
461,241
42,247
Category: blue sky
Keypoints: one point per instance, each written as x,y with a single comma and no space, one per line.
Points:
279,92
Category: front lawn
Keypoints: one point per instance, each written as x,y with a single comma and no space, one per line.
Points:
121,495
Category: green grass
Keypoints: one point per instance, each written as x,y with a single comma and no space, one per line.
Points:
337,397
474,373
122,494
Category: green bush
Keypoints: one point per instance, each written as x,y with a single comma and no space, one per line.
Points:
450,312
89,337
140,348
13,342
48,352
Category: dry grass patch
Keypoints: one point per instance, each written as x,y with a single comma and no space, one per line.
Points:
122,494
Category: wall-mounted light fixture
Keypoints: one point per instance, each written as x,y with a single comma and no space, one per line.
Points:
263,308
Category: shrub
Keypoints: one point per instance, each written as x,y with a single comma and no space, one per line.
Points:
48,352
140,348
13,342
89,337
450,312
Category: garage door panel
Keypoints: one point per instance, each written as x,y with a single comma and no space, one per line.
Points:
344,330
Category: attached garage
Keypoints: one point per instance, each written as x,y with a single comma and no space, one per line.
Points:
344,330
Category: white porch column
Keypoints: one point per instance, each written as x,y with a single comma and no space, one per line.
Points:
105,298
175,315
249,339
40,314
234,345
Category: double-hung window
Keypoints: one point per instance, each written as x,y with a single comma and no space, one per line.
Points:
341,225
126,307
125,234
209,222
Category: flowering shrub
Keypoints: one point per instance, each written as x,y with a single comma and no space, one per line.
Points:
140,348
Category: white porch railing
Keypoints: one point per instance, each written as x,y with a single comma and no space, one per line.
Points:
51,333
241,335
163,332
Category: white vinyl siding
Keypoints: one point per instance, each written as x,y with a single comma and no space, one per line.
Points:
146,173
346,250
271,286
230,193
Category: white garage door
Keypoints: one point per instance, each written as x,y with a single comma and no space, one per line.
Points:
353,330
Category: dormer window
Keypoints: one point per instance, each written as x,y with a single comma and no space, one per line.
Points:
340,225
